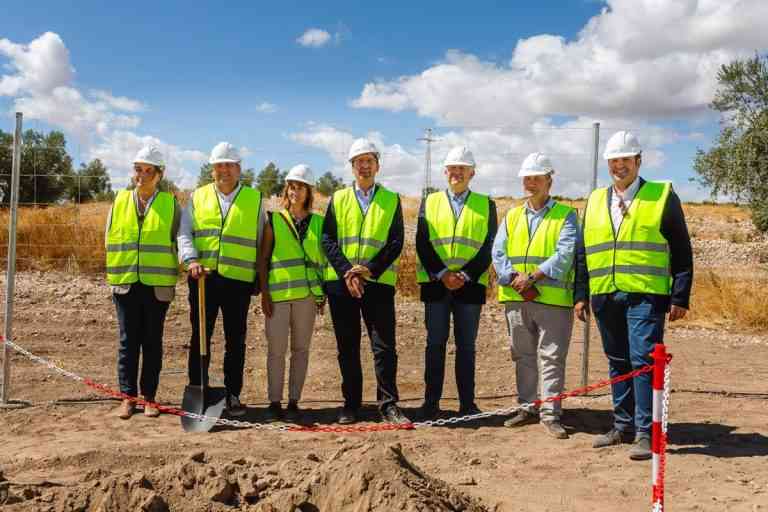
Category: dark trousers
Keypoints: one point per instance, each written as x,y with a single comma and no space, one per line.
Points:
630,325
233,298
378,310
466,320
140,317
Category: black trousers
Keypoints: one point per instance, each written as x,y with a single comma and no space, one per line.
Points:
377,307
233,298
140,317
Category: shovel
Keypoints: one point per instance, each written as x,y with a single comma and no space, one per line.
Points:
201,399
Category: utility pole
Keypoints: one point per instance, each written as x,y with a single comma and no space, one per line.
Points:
427,161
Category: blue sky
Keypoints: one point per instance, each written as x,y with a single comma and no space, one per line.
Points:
504,78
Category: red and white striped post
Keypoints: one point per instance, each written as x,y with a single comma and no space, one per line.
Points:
658,429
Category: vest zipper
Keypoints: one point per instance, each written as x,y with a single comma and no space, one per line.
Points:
362,224
295,233
531,235
456,219
224,219
140,220
616,234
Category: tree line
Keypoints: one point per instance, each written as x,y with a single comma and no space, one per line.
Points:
48,175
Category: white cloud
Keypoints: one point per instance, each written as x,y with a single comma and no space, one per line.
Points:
41,86
117,149
314,38
118,102
39,67
636,59
266,107
499,154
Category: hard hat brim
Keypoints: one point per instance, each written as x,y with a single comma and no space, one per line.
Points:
456,162
352,157
300,180
523,174
148,162
611,156
223,161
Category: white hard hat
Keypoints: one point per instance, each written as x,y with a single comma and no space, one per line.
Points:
301,173
460,155
622,144
536,164
224,152
149,155
361,147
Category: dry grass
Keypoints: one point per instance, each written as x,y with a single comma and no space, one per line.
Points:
58,237
719,302
72,238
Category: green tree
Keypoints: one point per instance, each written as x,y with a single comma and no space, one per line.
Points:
91,183
46,173
738,163
327,184
270,180
206,176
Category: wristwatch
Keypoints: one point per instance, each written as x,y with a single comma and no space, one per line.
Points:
531,279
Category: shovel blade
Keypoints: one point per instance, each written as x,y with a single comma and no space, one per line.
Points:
209,402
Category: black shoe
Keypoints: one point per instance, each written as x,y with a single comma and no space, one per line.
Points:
347,415
274,412
469,410
393,414
234,406
429,411
292,412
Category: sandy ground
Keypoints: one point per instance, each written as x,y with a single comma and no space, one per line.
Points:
69,451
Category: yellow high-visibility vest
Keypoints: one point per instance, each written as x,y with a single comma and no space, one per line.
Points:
527,252
636,258
142,252
360,236
229,246
296,268
456,240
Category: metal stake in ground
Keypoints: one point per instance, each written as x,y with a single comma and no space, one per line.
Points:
11,272
202,400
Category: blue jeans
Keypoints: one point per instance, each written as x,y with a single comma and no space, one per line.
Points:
140,317
630,326
466,320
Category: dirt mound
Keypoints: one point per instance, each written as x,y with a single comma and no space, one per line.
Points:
364,477
370,477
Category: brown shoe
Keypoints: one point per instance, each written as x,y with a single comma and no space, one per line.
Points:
126,409
150,411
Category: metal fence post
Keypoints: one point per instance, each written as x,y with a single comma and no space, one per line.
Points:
588,323
10,276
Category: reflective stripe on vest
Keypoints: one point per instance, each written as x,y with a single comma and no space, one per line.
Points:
637,259
142,252
295,270
230,249
360,236
456,241
527,252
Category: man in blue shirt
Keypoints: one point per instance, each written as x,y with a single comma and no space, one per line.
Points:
540,329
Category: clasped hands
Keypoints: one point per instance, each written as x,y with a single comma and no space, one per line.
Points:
355,280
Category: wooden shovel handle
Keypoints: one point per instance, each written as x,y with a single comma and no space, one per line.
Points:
201,315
